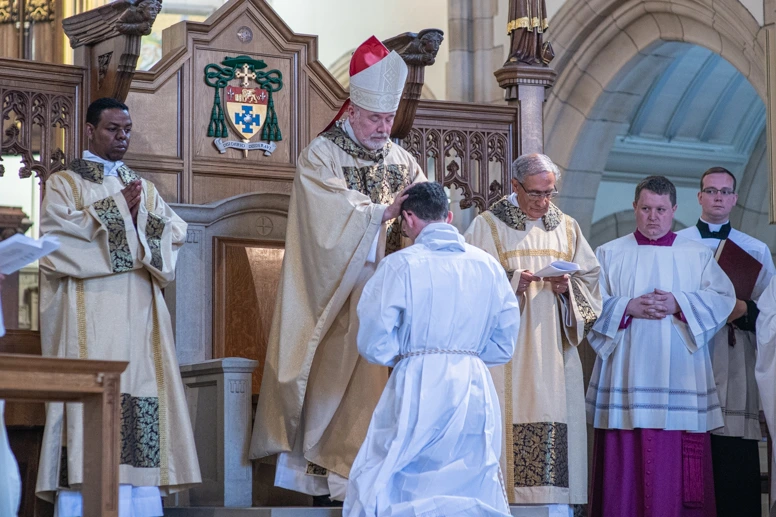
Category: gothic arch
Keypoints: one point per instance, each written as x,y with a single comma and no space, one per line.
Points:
598,42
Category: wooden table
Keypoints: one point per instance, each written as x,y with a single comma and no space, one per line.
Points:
28,378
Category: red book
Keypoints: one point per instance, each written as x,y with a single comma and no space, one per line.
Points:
742,268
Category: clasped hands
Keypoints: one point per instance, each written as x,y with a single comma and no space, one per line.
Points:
653,306
131,194
560,284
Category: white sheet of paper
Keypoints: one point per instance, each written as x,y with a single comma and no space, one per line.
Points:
557,268
19,250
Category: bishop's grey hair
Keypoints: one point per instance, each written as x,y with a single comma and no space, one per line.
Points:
532,164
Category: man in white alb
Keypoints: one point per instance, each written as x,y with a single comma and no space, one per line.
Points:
439,313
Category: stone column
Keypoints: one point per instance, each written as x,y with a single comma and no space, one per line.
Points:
524,86
219,399
769,12
473,55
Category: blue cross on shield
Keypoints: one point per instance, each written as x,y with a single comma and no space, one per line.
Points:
247,119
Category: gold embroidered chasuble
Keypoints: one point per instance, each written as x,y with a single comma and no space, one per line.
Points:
101,298
541,390
316,388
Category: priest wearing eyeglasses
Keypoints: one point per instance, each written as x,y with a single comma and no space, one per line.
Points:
734,447
541,390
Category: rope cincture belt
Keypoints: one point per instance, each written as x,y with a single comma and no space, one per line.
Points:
439,351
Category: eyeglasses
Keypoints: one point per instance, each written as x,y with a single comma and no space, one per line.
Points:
713,191
533,194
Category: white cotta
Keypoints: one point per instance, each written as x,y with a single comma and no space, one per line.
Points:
657,373
439,312
765,366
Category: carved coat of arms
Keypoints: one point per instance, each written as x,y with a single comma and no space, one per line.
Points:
250,109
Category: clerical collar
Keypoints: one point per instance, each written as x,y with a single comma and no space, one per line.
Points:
713,231
108,168
665,240
513,199
349,131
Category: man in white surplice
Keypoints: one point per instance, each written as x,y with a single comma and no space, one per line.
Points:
734,447
439,312
652,397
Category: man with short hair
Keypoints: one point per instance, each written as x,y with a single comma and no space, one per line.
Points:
316,393
734,447
434,443
101,298
652,397
545,460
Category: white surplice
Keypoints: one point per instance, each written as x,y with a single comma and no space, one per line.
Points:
734,365
765,366
657,373
439,312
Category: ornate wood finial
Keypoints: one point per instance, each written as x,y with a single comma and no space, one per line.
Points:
107,43
418,50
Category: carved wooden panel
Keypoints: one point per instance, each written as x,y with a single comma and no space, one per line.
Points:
466,146
41,111
174,105
246,274
40,127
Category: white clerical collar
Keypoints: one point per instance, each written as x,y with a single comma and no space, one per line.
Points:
349,130
513,199
714,227
108,168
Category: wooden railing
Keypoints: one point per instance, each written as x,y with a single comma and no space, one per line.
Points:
27,378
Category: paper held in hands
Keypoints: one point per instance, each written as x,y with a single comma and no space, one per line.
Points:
19,250
557,268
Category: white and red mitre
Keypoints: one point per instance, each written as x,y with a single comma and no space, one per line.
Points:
377,77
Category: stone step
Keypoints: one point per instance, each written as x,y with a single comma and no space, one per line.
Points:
300,512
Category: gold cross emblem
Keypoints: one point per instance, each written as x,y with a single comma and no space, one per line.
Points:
245,74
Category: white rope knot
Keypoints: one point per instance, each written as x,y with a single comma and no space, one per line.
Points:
439,351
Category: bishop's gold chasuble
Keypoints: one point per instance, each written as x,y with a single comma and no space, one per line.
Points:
316,388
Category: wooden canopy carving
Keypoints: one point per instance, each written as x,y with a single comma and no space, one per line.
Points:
107,41
418,51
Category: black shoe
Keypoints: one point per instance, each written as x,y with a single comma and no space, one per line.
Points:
326,502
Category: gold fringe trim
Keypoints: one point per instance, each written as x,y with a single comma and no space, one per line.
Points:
156,342
528,23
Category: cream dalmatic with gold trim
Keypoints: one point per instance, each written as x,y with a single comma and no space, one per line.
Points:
541,390
101,298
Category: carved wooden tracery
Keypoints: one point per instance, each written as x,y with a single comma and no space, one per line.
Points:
475,161
37,126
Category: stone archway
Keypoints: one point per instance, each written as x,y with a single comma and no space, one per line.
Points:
597,43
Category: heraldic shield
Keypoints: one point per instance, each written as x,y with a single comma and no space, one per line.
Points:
247,110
